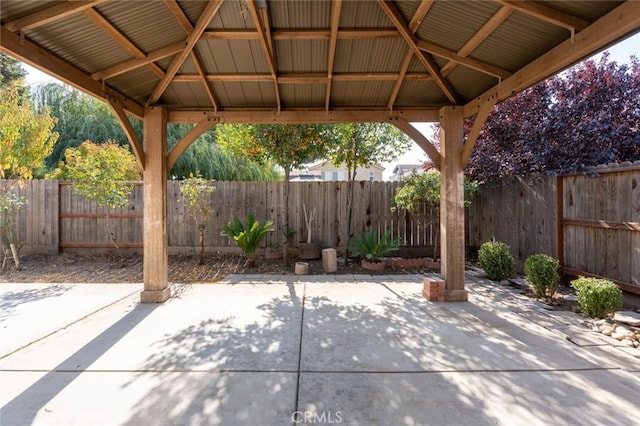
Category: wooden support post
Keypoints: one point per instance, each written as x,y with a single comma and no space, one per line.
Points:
156,258
452,204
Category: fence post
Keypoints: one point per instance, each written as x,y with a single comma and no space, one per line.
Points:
560,219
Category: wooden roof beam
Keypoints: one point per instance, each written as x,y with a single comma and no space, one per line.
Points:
137,63
184,22
547,14
178,13
303,34
114,33
474,64
394,15
319,115
620,22
50,14
36,56
203,21
414,24
485,31
264,33
333,41
301,78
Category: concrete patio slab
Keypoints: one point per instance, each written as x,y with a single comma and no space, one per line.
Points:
372,352
52,306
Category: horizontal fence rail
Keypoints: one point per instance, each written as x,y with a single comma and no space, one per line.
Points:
590,223
56,218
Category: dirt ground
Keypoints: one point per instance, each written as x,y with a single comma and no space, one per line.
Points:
73,268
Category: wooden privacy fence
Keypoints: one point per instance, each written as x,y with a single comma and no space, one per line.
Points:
591,224
56,218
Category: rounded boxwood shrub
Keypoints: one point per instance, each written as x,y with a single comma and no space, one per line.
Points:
597,297
541,271
495,259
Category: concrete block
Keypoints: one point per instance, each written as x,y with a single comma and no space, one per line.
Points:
329,260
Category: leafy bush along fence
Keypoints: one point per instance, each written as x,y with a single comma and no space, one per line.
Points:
56,218
591,224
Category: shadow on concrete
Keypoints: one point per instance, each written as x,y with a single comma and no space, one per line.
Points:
10,300
399,361
26,405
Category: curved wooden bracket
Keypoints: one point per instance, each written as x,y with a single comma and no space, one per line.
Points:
188,139
427,146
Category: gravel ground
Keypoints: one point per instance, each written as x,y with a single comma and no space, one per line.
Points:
72,268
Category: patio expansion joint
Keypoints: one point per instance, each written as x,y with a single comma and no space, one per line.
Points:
65,326
297,402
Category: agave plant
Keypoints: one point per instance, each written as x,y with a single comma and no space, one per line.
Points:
248,237
368,246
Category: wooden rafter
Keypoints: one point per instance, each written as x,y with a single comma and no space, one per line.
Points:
485,31
547,14
264,36
209,12
186,141
397,19
303,34
184,22
138,63
474,64
333,41
414,24
302,78
132,136
50,14
427,146
622,21
178,13
114,33
34,55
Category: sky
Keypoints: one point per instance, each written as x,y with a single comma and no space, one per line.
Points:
620,53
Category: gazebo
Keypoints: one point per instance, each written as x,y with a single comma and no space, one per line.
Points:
302,61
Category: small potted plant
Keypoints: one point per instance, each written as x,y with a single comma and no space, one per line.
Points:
308,250
371,248
273,251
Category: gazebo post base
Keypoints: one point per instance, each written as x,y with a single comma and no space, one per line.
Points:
155,296
456,296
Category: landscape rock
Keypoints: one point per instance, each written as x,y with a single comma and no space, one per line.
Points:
607,329
627,317
622,333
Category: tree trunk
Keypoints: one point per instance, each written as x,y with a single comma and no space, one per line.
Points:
201,235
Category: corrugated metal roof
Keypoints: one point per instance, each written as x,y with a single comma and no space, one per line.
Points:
469,17
367,43
302,56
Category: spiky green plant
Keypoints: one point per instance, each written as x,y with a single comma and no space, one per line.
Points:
367,245
249,236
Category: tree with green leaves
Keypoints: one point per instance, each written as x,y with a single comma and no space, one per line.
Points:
362,145
26,139
289,146
80,117
419,191
12,74
196,198
207,158
101,173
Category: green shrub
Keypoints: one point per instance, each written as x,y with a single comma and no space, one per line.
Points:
368,246
495,259
597,297
248,237
542,272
